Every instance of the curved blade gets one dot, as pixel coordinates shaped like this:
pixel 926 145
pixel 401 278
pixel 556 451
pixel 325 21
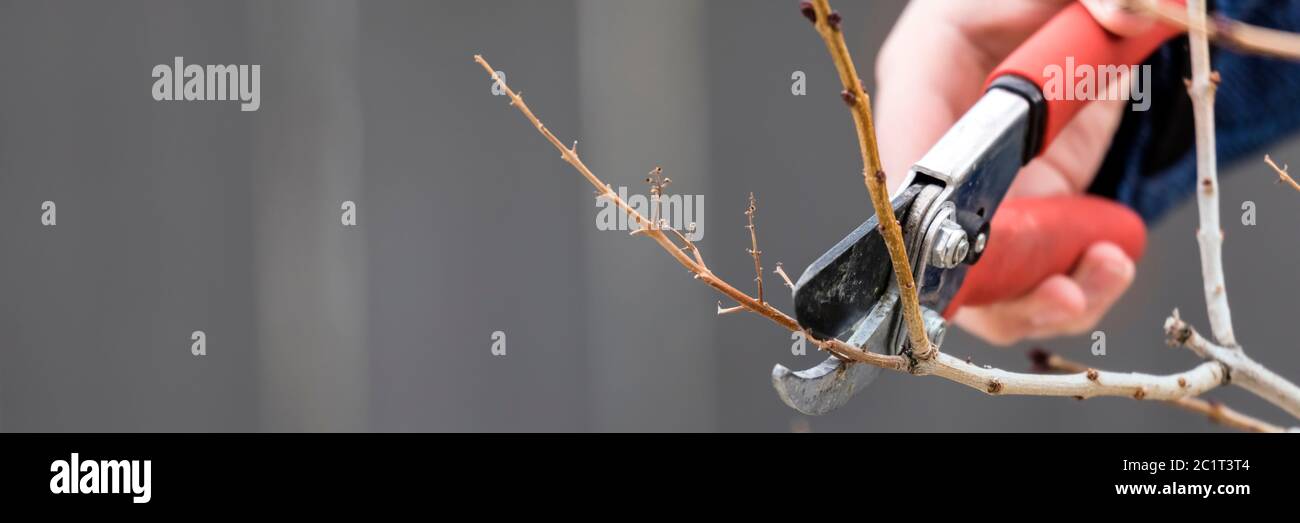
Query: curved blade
pixel 823 388
pixel 826 387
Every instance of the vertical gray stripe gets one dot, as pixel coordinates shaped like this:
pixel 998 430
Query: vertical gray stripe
pixel 644 102
pixel 310 269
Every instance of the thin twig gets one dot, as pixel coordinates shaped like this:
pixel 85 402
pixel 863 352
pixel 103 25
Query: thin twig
pixel 1222 414
pixel 695 264
pixel 1210 235
pixel 657 182
pixel 1045 361
pixel 1231 33
pixel 753 242
pixel 1282 175
pixel 723 311
pixel 828 23
pixel 784 277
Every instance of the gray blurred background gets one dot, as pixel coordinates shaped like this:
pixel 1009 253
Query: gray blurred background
pixel 175 217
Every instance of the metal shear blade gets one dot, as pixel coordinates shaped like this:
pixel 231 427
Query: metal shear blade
pixel 851 282
pixel 845 284
pixel 828 386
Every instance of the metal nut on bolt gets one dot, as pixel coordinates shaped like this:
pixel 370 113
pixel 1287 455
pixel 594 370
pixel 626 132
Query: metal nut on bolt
pixel 950 246
pixel 935 326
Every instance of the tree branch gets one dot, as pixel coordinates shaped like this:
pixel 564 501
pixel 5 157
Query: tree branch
pixel 1226 416
pixel 1210 234
pixel 1045 361
pixel 1231 33
pixel 1227 353
pixel 784 277
pixel 1087 384
pixel 693 264
pixel 753 245
pixel 1242 371
pixel 827 23
pixel 1282 175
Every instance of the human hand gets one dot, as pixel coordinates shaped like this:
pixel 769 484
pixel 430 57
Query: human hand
pixel 919 99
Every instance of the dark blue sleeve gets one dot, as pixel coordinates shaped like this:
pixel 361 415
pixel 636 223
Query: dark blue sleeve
pixel 1151 164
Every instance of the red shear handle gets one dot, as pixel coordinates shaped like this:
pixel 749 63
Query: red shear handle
pixel 1053 57
pixel 1031 239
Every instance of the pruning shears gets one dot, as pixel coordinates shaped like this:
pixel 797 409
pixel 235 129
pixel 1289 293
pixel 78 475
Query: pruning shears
pixel 967 246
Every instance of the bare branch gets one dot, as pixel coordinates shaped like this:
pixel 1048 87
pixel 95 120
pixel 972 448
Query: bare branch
pixel 1087 384
pixel 1282 175
pixel 1243 371
pixel 1223 415
pixel 1231 33
pixel 1227 353
pixel 1206 376
pixel 784 277
pixel 729 310
pixel 1045 361
pixel 657 182
pixel 1210 234
pixel 694 264
pixel 827 23
pixel 753 249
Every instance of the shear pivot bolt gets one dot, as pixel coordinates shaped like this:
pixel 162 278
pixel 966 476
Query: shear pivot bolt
pixel 935 326
pixel 950 246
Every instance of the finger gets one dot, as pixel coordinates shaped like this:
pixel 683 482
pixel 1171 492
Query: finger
pixel 1104 273
pixel 1059 305
pixel 1052 303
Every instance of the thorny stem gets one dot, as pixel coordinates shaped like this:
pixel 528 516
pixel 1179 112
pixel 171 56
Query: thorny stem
pixel 753 249
pixel 1282 175
pixel 657 182
pixel 1246 37
pixel 694 263
pixel 780 271
pixel 1045 361
pixel 828 23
